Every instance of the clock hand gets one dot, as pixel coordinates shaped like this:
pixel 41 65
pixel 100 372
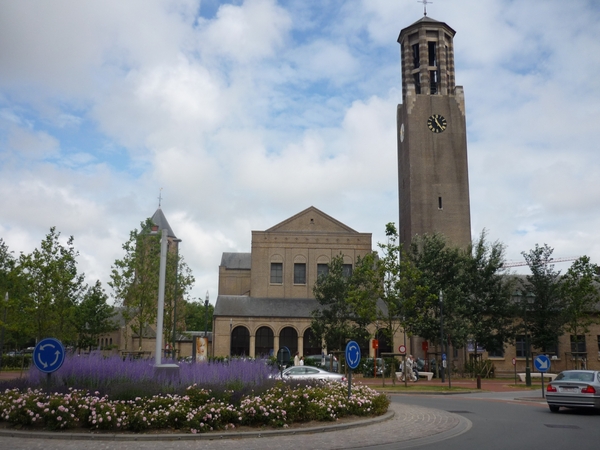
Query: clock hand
pixel 436 121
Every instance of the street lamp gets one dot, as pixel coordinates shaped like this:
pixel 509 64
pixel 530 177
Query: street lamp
pixel 442 335
pixel 3 327
pixel 177 241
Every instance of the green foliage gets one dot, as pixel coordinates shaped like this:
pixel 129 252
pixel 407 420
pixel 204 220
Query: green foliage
pixel 94 316
pixel 135 279
pixel 52 289
pixel 581 295
pixel 344 311
pixel 478 367
pixel 197 317
pixel 542 306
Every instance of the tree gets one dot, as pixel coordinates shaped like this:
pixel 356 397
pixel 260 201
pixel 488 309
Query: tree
pixel 441 274
pixel 53 288
pixel 94 316
pixel 339 317
pixel 542 310
pixel 134 280
pixel 489 312
pixel 197 317
pixel 581 296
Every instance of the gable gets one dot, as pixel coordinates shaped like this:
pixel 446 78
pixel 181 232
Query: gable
pixel 311 220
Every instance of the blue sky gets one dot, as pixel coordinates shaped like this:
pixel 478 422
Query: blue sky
pixel 247 112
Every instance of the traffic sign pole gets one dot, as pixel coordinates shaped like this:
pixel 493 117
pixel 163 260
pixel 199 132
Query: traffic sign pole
pixel 352 361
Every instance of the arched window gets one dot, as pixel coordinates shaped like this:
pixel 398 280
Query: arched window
pixel 312 346
pixel 240 341
pixel 288 337
pixel 263 342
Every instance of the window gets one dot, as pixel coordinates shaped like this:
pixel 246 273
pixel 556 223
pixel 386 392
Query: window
pixel 520 346
pixel 496 353
pixel 417 79
pixel 347 270
pixel 323 269
pixel 288 337
pixel 578 343
pixel 263 342
pixel 415 51
pixel 433 81
pixel 277 273
pixel 299 273
pixel 431 46
pixel 240 341
pixel 440 203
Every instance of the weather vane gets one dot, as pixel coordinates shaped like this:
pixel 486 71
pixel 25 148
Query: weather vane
pixel 159 197
pixel 425 2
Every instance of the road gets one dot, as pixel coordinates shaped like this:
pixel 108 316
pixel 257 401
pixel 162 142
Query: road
pixel 501 422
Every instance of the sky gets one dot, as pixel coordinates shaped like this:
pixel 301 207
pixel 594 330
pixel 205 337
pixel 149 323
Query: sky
pixel 240 114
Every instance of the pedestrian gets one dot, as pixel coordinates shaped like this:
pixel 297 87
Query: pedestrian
pixel 409 367
pixel 296 359
pixel 302 360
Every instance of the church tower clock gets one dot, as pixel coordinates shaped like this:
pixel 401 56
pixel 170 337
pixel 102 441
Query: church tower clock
pixel 432 137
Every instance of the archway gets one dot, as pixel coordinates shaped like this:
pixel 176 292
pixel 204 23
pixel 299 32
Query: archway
pixel 240 341
pixel 264 342
pixel 288 337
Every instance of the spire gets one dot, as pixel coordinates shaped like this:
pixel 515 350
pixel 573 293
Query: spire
pixel 161 222
pixel 159 197
pixel 425 3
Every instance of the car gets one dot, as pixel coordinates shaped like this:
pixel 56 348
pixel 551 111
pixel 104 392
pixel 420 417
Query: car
pixel 574 389
pixel 322 362
pixel 310 373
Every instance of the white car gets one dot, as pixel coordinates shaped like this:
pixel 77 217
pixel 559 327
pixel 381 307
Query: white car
pixel 311 373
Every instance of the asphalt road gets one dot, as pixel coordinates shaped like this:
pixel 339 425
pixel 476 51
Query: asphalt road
pixel 501 422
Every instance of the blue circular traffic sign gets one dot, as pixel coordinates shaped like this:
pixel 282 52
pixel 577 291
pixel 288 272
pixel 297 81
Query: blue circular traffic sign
pixel 49 355
pixel 542 363
pixel 352 355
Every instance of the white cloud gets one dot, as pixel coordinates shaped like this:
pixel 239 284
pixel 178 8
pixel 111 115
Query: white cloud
pixel 249 116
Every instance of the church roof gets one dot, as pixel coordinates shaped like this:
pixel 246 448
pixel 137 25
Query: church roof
pixel 244 306
pixel 311 220
pixel 159 219
pixel 236 260
pixel 424 21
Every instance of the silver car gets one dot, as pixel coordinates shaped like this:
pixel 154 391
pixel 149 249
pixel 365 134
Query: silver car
pixel 574 389
pixel 311 373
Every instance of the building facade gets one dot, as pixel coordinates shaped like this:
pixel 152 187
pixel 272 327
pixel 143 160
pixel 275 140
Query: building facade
pixel 265 297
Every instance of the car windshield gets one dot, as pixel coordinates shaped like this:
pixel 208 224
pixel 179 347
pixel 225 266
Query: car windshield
pixel 575 376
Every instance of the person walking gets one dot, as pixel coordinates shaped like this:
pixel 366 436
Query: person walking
pixel 296 359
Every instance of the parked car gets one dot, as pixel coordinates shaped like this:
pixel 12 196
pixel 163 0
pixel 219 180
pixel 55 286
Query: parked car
pixel 322 362
pixel 574 389
pixel 310 373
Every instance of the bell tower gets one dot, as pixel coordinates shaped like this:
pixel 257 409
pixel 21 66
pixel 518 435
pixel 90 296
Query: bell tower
pixel 432 137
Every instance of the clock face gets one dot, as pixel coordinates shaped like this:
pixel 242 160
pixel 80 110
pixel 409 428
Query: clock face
pixel 402 133
pixel 437 123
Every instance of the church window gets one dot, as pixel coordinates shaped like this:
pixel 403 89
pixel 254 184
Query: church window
pixel 322 270
pixel 417 78
pixel 264 342
pixel 431 46
pixel 299 273
pixel 276 273
pixel 415 50
pixel 347 270
pixel 433 81
pixel 240 342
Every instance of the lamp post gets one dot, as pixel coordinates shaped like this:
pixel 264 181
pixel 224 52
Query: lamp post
pixel 3 327
pixel 442 335
pixel 177 241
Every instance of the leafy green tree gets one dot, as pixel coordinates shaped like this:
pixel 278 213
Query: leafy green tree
pixel 441 268
pixel 197 317
pixel 340 315
pixel 488 310
pixel 581 296
pixel 53 288
pixel 94 316
pixel 543 315
pixel 134 281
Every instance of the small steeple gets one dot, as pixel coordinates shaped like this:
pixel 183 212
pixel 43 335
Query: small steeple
pixel 425 3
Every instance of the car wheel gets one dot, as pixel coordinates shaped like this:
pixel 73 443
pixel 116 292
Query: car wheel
pixel 554 408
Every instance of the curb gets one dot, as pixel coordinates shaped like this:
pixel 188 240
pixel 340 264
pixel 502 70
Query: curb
pixel 210 436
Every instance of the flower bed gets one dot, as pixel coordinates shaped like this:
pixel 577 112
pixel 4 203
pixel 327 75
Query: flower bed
pixel 241 393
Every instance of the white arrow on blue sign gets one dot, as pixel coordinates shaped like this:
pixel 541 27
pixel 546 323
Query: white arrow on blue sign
pixel 48 355
pixel 542 363
pixel 352 355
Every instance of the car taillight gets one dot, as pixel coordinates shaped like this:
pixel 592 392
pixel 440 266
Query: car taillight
pixel 550 388
pixel 588 390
